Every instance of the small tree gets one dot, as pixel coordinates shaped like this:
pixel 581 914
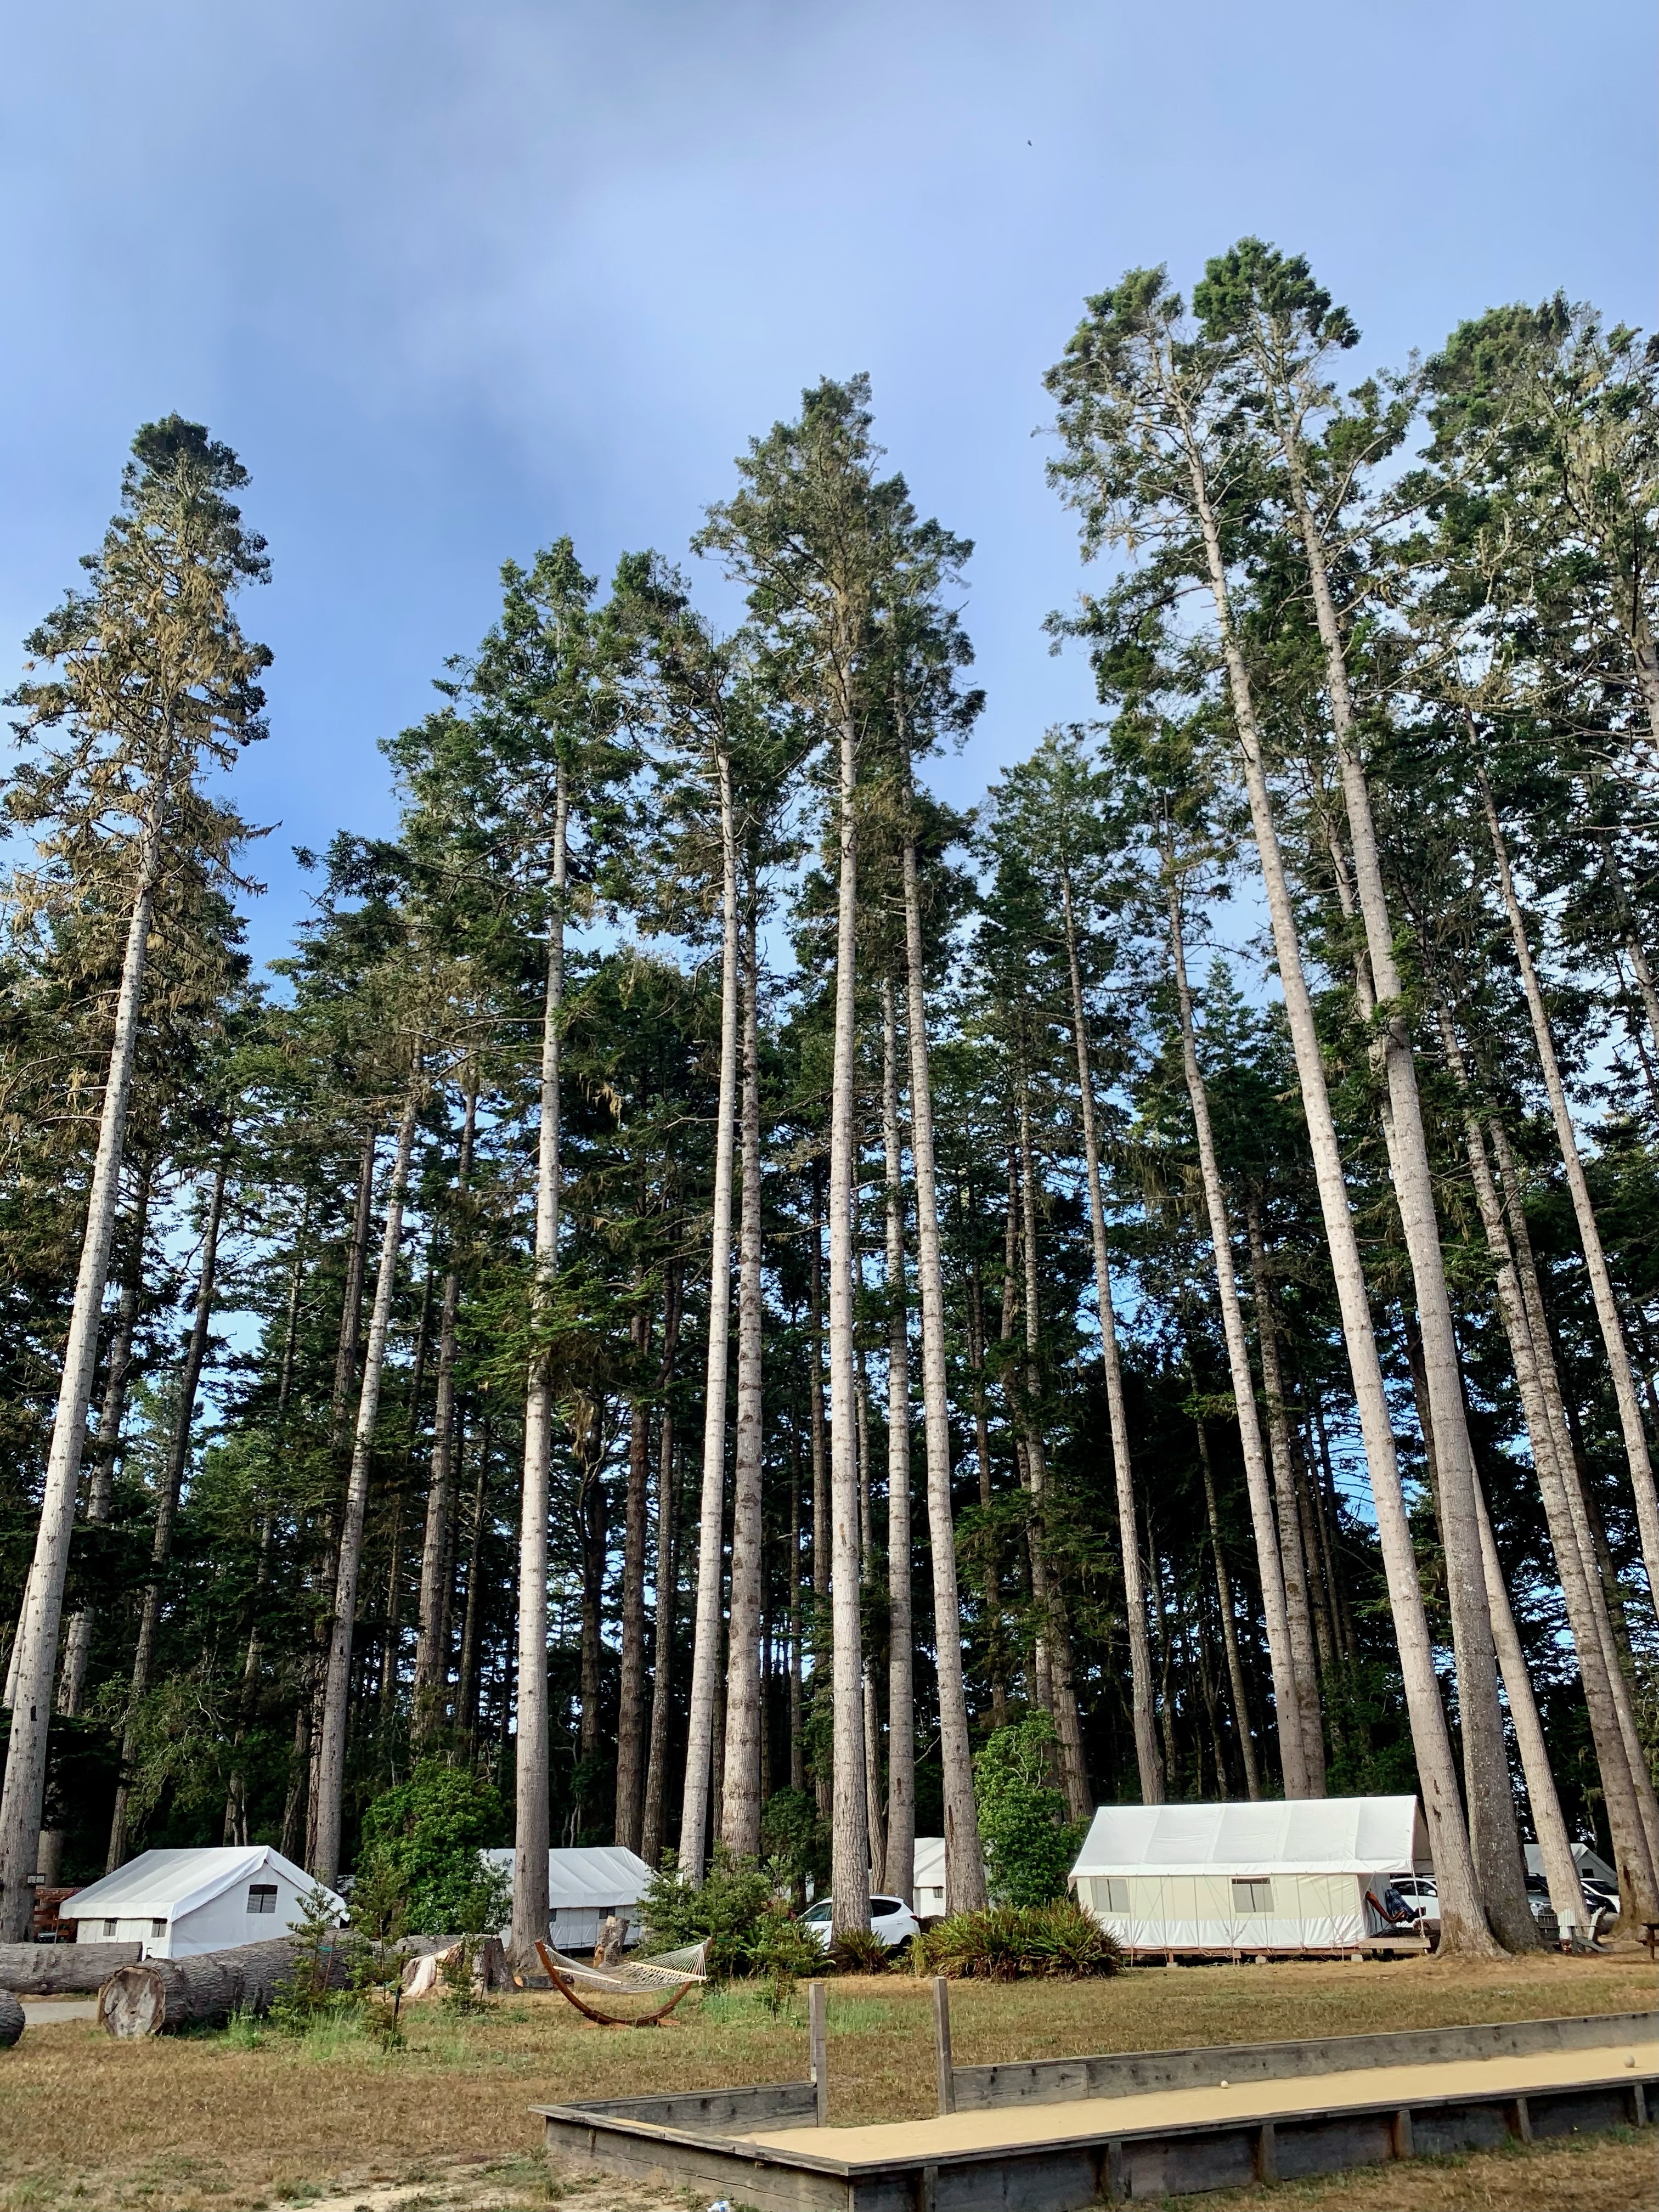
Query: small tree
pixel 1029 1844
pixel 425 1835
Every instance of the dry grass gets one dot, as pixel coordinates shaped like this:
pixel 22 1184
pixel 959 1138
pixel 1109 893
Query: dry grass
pixel 1616 2172
pixel 224 2123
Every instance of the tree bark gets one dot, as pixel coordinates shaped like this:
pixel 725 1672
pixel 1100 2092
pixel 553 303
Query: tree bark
pixel 1589 1233
pixel 167 1511
pixel 1048 1599
pixel 849 1869
pixel 63 1970
pixel 1152 1781
pixel 1463 1926
pixel 432 1641
pixel 330 1768
pixel 161 1995
pixel 531 1816
pixel 1229 1626
pixel 1281 1653
pixel 1623 1767
pixel 1298 1607
pixel 653 1829
pixel 964 1860
pixel 706 1633
pixel 630 1678
pixel 899 1873
pixel 35 1655
pixel 740 1799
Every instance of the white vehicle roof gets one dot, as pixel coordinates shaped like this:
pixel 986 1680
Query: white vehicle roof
pixel 166 1884
pixel 1303 1835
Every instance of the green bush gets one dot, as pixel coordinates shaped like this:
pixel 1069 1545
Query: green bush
pixel 736 1911
pixel 860 1951
pixel 1010 1942
pixel 1030 1846
pixel 424 1837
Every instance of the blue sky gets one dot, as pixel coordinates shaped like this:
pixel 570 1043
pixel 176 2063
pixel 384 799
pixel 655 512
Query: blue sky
pixel 457 279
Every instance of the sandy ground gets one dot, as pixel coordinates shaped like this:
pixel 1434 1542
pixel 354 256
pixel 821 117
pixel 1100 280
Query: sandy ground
pixel 42 2012
pixel 1093 2116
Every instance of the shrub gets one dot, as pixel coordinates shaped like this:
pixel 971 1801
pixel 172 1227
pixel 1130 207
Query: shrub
pixel 310 1992
pixel 1029 1844
pixel 425 1836
pixel 795 1841
pixel 736 1911
pixel 860 1951
pixel 1010 1942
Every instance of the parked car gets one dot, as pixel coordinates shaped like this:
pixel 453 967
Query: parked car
pixel 1419 1892
pixel 1538 1898
pixel 890 1918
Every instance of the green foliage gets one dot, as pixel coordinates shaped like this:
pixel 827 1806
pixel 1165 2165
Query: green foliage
pixel 425 1835
pixel 795 1841
pixel 860 1951
pixel 379 1919
pixel 1029 1844
pixel 1011 1943
pixel 737 1912
pixel 311 1992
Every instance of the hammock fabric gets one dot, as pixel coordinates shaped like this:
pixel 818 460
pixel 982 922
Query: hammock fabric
pixel 636 1978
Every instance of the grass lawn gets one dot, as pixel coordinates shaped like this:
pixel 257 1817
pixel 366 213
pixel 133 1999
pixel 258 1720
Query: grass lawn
pixel 227 2122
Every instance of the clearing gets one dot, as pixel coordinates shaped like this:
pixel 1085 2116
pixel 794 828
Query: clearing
pixel 247 2119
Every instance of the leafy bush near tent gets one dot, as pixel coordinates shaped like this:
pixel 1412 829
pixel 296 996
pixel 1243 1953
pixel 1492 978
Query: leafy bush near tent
pixel 1009 1942
pixel 425 1836
pixel 1029 1844
pixel 860 1951
pixel 736 1911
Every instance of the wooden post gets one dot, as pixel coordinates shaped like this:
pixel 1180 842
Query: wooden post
pixel 816 1994
pixel 947 2085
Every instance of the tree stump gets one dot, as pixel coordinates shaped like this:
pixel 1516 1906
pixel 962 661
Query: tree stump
pixel 159 1996
pixel 11 2020
pixel 63 1970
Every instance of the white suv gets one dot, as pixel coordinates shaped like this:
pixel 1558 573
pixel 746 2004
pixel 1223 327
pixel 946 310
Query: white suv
pixel 890 1918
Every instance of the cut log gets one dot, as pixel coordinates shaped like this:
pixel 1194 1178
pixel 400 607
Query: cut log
pixel 11 2020
pixel 159 1996
pixel 424 1976
pixel 63 1970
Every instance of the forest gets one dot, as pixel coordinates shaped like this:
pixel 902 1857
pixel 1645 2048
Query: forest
pixel 708 1282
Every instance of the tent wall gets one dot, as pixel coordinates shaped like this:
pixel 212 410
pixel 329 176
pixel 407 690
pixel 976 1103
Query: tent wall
pixel 1215 1913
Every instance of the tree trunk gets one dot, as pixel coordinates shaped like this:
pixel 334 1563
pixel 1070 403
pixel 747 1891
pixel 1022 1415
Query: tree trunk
pixel 432 1641
pixel 1281 1651
pixel 630 1679
pixel 351 1303
pixel 1463 1928
pixel 850 1873
pixel 653 1829
pixel 466 1672
pixel 990 1587
pixel 1624 1780
pixel 1153 1783
pixel 591 1535
pixel 1049 1603
pixel 330 1769
pixel 873 1805
pixel 35 1655
pixel 899 1873
pixel 964 1861
pixel 740 1798
pixel 1229 1626
pixel 77 1642
pixel 1297 1609
pixel 706 1631
pixel 63 1970
pixel 161 1995
pixel 531 1816
pixel 1589 1233
pixel 167 1512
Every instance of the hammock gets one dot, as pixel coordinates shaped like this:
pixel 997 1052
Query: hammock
pixel 662 1982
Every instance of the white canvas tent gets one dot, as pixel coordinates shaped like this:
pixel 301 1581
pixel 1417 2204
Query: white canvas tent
pixel 177 1904
pixel 585 1882
pixel 927 1880
pixel 1283 1875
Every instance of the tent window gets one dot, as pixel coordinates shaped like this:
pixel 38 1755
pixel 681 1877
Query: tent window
pixel 1253 1897
pixel 261 1897
pixel 158 1927
pixel 110 1927
pixel 1112 1893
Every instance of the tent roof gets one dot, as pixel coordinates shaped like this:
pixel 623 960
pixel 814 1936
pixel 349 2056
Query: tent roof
pixel 1303 1835
pixel 166 1884
pixel 596 1874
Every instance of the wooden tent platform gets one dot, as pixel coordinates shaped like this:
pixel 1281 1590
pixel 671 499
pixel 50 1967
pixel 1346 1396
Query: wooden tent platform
pixel 1056 2135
